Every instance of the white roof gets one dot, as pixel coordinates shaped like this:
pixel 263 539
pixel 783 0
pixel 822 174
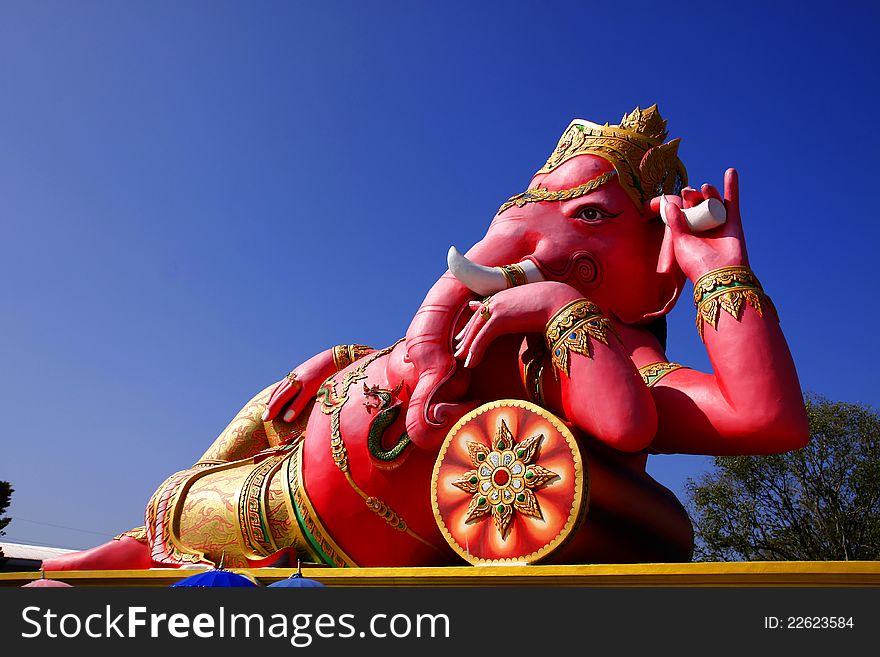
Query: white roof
pixel 34 552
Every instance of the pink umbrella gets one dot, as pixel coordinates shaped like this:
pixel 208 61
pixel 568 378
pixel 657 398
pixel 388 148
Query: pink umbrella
pixel 47 583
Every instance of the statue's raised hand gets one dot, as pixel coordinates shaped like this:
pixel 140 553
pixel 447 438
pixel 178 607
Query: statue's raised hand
pixel 698 253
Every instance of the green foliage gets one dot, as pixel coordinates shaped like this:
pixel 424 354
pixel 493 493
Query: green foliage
pixel 6 491
pixel 818 503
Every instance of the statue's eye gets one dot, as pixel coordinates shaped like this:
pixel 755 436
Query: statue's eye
pixel 591 214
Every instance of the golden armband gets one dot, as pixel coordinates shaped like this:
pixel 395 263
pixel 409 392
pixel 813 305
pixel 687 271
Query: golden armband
pixel 653 372
pixel 346 354
pixel 729 289
pixel 514 275
pixel 571 328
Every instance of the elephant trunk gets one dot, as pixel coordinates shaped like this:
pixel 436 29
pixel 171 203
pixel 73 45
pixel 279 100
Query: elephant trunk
pixel 429 339
pixel 429 348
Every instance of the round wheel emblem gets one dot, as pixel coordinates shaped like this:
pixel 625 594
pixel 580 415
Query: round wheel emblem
pixel 509 484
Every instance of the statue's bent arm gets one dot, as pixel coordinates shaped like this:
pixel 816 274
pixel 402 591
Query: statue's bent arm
pixel 752 403
pixel 605 397
pixel 293 393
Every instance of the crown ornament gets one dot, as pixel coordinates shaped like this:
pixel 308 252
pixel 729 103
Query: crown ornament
pixel 648 124
pixel 647 167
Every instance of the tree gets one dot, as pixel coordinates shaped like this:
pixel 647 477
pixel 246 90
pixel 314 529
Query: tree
pixel 818 503
pixel 5 496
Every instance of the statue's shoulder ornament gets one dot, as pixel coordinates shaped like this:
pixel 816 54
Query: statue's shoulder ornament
pixel 653 372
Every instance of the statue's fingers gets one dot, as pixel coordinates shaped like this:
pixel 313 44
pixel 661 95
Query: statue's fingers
pixel 691 197
pixel 709 191
pixel 272 404
pixel 470 331
pixel 278 399
pixel 731 194
pixel 733 226
pixel 296 406
pixel 474 306
pixel 478 346
pixel 673 216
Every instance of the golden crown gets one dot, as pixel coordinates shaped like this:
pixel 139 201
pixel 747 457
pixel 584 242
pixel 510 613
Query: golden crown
pixel 646 166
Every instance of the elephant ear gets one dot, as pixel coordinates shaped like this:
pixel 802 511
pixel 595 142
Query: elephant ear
pixel 661 171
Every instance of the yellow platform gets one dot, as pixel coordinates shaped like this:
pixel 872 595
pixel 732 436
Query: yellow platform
pixel 761 573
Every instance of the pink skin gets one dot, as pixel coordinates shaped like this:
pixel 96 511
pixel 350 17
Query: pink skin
pixel 549 234
pixel 751 404
pixel 724 246
pixel 296 394
pixel 434 402
pixel 126 553
pixel 622 415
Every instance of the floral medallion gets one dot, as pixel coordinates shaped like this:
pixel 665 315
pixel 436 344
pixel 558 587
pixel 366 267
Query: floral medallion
pixel 509 484
pixel 504 478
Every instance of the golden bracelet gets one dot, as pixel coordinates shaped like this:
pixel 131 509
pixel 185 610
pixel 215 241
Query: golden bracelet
pixel 730 289
pixel 724 278
pixel 570 330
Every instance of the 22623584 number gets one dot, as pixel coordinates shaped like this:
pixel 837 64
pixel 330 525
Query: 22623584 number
pixel 819 622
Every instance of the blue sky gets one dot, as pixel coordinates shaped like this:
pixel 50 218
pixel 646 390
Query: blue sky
pixel 197 196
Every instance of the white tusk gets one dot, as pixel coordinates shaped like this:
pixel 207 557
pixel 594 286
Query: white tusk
pixel 533 274
pixel 482 280
pixel 485 280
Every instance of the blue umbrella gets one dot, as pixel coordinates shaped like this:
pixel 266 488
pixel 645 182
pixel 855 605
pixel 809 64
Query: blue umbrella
pixel 217 577
pixel 297 581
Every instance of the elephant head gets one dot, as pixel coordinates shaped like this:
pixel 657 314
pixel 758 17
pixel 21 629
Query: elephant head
pixel 585 221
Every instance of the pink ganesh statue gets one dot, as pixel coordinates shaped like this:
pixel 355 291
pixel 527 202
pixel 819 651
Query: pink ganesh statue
pixel 514 420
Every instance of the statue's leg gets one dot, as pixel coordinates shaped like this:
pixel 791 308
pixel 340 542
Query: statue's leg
pixel 247 434
pixel 188 518
pixel 122 553
pixel 239 512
